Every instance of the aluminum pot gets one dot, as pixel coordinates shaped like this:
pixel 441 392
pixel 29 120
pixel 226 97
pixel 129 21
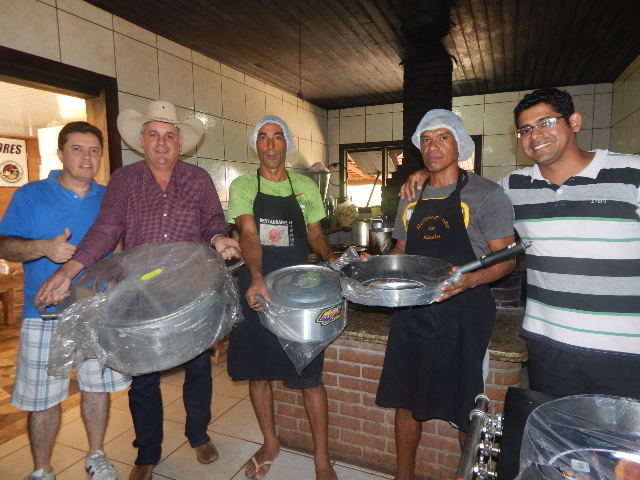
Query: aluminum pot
pixel 306 304
pixel 360 233
pixel 164 303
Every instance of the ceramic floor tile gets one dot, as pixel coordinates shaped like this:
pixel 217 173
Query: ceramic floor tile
pixel 170 392
pixel 288 466
pixel 19 464
pixel 239 422
pixel 175 376
pixel 14 444
pixel 219 369
pixel 182 465
pixel 223 385
pixel 350 472
pixel 219 405
pixel 70 415
pixel 74 434
pixel 121 402
pixel 121 449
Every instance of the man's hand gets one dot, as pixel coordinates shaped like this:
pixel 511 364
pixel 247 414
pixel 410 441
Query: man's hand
pixel 227 247
pixel 414 183
pixel 54 289
pixel 466 282
pixel 257 287
pixel 58 249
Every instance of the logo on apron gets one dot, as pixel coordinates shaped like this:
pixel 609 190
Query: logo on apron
pixel 408 211
pixel 276 233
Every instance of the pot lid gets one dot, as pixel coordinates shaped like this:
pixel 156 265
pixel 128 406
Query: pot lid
pixel 304 286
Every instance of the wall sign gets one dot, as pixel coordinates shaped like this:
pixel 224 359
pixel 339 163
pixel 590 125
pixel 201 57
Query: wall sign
pixel 13 162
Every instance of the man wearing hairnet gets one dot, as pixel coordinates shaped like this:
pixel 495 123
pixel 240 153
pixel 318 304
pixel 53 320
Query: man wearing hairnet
pixel 276 213
pixel 433 362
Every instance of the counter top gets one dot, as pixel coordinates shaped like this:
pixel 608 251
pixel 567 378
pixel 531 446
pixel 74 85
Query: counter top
pixel 371 324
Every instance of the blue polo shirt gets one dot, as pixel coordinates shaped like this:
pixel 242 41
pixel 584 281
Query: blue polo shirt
pixel 43 209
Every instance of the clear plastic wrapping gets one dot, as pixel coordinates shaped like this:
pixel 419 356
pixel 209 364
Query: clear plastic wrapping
pixel 303 340
pixel 585 437
pixel 306 311
pixel 147 309
pixel 395 280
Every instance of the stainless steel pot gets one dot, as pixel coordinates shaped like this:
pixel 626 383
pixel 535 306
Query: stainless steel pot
pixel 164 303
pixel 360 233
pixel 306 304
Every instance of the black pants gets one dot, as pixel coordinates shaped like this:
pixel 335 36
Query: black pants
pixel 145 403
pixel 561 372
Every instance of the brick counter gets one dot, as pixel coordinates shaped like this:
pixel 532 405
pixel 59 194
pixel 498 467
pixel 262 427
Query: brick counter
pixel 360 432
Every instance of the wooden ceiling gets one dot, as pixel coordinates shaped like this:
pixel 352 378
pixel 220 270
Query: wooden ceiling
pixel 345 53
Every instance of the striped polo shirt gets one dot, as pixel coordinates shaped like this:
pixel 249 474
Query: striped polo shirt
pixel 583 269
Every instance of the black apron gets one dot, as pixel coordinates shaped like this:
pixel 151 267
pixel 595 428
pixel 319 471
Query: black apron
pixel 254 352
pixel 433 362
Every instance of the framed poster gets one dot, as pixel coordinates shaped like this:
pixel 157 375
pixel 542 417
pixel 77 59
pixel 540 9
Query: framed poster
pixel 13 162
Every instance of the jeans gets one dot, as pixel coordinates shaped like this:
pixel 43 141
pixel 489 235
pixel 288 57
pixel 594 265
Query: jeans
pixel 145 403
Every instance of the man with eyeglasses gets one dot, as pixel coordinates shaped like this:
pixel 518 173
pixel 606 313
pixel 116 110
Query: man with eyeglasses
pixel 582 212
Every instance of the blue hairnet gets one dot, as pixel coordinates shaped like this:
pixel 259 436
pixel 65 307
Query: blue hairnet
pixel 291 144
pixel 440 118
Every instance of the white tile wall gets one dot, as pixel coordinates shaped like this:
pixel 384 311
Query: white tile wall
pixel 85 10
pixel 76 34
pixel 148 67
pixel 132 30
pixel 492 117
pixel 378 127
pixel 176 80
pixel 136 67
pixel 207 91
pixel 625 115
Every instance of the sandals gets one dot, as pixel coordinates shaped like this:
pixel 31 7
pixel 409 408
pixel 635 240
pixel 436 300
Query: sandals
pixel 258 467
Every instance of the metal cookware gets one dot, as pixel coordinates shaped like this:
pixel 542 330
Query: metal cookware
pixel 161 305
pixel 306 304
pixel 590 437
pixel 360 233
pixel 408 280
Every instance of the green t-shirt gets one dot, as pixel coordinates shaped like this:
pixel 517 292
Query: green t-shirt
pixel 243 191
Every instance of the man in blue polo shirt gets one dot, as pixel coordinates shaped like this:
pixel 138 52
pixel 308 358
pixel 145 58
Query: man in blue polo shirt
pixel 41 227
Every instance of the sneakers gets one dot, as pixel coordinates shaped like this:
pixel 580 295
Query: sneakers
pixel 99 467
pixel 41 475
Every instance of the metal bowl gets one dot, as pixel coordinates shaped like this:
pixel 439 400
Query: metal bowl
pixel 394 280
pixel 306 304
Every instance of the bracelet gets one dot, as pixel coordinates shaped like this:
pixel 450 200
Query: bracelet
pixel 213 239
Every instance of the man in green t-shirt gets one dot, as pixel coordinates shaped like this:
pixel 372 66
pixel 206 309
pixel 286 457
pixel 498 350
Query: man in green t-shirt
pixel 276 213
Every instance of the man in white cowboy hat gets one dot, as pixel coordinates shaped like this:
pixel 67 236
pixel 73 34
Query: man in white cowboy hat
pixel 277 213
pixel 158 199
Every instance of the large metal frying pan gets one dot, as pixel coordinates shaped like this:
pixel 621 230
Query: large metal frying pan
pixel 408 280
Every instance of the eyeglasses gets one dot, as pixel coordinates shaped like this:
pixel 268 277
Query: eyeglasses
pixel 543 124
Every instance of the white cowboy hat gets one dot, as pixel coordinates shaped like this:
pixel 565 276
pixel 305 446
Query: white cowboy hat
pixel 130 124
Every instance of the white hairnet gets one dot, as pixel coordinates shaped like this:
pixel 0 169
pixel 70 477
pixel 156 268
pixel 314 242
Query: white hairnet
pixel 291 144
pixel 439 118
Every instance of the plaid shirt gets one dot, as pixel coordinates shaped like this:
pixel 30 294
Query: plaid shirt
pixel 136 207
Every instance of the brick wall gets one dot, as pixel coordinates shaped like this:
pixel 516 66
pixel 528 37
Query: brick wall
pixel 360 432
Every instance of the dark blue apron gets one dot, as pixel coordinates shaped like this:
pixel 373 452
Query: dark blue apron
pixel 254 352
pixel 433 362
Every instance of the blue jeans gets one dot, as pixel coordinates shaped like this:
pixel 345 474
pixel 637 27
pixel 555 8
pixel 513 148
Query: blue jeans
pixel 145 403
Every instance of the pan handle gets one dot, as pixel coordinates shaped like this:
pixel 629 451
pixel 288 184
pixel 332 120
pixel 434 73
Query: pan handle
pixel 58 311
pixel 516 248
pixel 235 267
